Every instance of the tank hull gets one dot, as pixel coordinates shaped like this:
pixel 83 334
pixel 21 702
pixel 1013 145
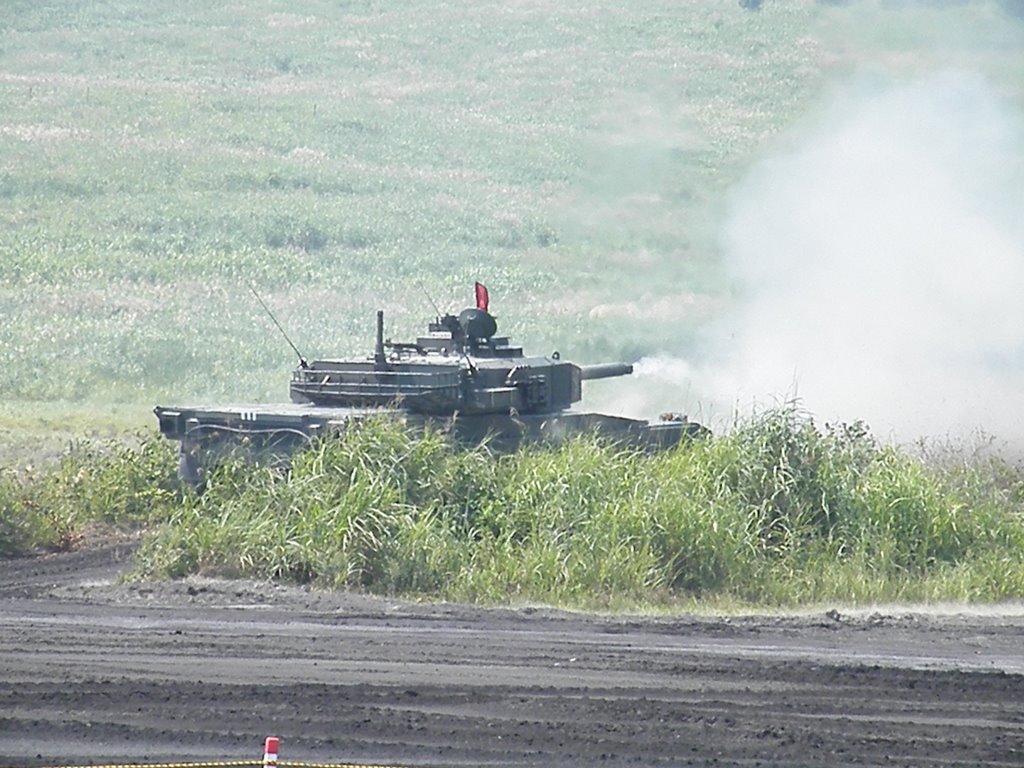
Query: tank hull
pixel 273 432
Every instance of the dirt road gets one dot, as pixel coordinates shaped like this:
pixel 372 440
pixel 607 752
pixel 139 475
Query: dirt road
pixel 92 671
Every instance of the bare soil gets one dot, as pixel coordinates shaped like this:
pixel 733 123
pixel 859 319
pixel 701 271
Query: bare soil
pixel 94 671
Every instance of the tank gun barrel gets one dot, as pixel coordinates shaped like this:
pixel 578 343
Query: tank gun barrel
pixel 605 370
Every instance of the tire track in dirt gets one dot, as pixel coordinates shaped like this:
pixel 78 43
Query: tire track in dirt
pixel 205 670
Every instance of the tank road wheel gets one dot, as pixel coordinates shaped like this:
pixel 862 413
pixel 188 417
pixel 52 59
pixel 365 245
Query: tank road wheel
pixel 190 471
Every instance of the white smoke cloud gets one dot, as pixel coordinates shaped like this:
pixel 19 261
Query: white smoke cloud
pixel 879 265
pixel 659 385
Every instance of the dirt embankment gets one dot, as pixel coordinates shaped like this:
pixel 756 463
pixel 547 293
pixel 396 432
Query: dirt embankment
pixel 94 671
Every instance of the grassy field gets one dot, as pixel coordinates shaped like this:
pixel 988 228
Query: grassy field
pixel 776 513
pixel 578 158
pixel 155 160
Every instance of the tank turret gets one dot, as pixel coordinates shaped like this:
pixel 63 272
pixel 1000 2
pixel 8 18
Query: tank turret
pixel 459 366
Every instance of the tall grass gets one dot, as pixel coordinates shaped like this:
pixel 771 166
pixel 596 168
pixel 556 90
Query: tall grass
pixel 776 512
pixel 111 483
pixel 779 512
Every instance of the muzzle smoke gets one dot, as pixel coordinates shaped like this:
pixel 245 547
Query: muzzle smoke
pixel 879 267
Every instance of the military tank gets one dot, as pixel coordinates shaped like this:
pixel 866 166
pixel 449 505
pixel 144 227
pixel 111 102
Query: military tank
pixel 460 376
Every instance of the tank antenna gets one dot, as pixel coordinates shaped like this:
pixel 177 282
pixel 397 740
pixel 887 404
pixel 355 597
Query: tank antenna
pixel 302 360
pixel 432 302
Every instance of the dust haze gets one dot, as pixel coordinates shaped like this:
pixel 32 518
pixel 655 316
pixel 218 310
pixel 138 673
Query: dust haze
pixel 878 267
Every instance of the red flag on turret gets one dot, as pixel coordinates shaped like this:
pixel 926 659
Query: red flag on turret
pixel 482 299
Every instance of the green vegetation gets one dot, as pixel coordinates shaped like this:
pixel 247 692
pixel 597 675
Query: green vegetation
pixel 157 158
pixel 110 484
pixel 776 513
